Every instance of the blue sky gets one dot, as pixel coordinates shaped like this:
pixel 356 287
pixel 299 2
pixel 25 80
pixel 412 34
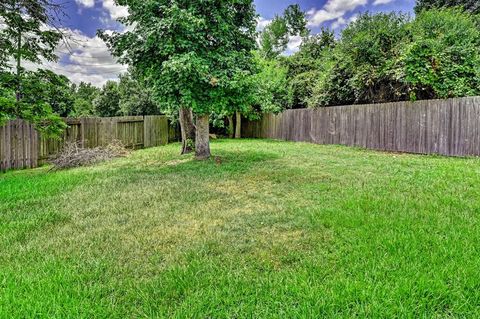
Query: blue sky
pixel 90 15
pixel 90 60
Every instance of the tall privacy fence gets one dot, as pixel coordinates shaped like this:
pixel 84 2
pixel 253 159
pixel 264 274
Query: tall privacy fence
pixel 23 147
pixel 448 127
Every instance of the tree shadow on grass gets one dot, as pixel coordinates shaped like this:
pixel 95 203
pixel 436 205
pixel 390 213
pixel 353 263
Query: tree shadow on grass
pixel 221 163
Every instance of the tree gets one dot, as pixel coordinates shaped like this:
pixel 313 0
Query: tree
pixel 442 60
pixel 135 98
pixel 272 90
pixel 305 66
pixel 363 67
pixel 472 6
pixel 275 37
pixel 193 54
pixel 34 105
pixel 28 34
pixel 56 91
pixel 107 104
pixel 388 57
pixel 85 95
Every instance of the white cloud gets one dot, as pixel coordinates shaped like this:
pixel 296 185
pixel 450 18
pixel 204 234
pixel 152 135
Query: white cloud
pixel 81 58
pixel 333 10
pixel 379 2
pixel 262 23
pixel 294 44
pixel 340 22
pixel 113 10
pixel 84 59
pixel 87 59
pixel 86 3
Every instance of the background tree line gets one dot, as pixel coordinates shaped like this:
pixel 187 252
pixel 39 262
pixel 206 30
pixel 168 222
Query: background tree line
pixel 383 57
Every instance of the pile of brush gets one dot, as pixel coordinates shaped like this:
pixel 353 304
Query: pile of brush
pixel 73 155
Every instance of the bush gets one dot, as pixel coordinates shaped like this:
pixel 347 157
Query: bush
pixel 442 59
pixel 388 57
pixel 362 68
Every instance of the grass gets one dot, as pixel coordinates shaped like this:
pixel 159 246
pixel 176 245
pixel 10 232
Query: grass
pixel 277 230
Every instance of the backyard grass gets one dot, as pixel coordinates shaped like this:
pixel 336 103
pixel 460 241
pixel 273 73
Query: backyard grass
pixel 276 230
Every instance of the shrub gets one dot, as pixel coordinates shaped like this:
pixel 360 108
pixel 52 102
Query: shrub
pixel 442 58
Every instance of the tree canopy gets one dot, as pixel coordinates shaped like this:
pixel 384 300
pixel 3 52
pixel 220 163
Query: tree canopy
pixel 194 54
pixel 276 35
pixel 28 34
pixel 469 5
pixel 390 57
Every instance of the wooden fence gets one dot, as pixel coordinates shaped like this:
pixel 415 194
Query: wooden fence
pixel 448 127
pixel 23 147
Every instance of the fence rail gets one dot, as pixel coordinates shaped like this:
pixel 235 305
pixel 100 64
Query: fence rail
pixel 447 127
pixel 23 147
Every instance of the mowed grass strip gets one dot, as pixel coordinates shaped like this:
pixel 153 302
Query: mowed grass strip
pixel 276 230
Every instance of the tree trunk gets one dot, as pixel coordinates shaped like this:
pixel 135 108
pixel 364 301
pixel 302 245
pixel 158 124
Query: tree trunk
pixel 18 93
pixel 202 141
pixel 187 129
pixel 231 129
pixel 238 126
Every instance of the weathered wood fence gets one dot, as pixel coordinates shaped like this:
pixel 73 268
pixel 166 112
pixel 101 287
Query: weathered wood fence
pixel 23 147
pixel 448 127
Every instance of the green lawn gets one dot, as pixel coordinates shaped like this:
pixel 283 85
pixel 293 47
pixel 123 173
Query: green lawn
pixel 277 230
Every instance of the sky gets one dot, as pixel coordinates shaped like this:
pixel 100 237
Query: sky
pixel 88 59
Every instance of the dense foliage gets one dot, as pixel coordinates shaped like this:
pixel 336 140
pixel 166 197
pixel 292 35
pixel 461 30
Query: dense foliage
pixel 276 35
pixel 442 58
pixel 126 97
pixel 272 92
pixel 107 102
pixel 84 94
pixel 362 66
pixel 28 34
pixel 135 97
pixel 470 5
pixel 305 67
pixel 389 57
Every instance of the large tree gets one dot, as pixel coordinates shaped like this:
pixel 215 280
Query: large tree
pixel 28 33
pixel 470 5
pixel 56 91
pixel 193 54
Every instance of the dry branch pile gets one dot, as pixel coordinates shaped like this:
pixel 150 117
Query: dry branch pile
pixel 73 155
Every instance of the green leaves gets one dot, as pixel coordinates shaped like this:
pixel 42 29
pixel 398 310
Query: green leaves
pixel 469 5
pixel 107 102
pixel 34 107
pixel 135 97
pixel 443 58
pixel 28 34
pixel 389 57
pixel 271 92
pixel 28 31
pixel 191 53
pixel 275 37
